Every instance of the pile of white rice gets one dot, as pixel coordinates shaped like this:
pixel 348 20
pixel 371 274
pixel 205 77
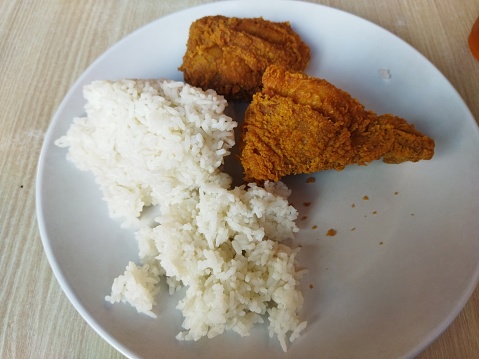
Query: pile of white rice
pixel 161 144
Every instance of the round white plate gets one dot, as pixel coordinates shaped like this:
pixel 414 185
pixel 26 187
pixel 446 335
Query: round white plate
pixel 402 264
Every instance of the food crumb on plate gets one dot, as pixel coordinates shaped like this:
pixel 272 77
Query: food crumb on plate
pixel 331 232
pixel 385 74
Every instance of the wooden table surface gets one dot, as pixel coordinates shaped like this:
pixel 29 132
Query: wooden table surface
pixel 45 46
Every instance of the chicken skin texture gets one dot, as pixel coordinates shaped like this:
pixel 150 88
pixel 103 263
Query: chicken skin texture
pixel 301 124
pixel 229 55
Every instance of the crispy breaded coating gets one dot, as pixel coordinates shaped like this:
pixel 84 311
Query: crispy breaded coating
pixel 229 55
pixel 301 124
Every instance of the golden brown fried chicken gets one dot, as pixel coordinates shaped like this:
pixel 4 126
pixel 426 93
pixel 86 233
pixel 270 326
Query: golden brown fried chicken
pixel 301 124
pixel 230 55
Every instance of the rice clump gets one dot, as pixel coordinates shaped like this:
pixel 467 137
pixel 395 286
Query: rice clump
pixel 162 144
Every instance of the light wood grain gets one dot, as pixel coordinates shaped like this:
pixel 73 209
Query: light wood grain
pixel 46 45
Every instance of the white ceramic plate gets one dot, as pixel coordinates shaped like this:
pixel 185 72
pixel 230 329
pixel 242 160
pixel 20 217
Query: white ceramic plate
pixel 402 264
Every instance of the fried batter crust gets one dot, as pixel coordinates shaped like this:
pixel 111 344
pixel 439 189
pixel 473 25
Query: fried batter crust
pixel 230 55
pixel 301 124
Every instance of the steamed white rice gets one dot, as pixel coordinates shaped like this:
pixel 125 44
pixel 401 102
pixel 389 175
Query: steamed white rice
pixel 162 143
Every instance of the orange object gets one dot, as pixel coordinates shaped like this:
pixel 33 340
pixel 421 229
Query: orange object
pixel 474 39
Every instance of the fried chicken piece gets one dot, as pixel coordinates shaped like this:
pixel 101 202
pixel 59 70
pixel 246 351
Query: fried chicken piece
pixel 301 124
pixel 229 55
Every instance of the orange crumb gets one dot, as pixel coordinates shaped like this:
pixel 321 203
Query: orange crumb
pixel 315 227
pixel 310 180
pixel 311 286
pixel 375 212
pixel 353 205
pixel 331 232
pixel 366 198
